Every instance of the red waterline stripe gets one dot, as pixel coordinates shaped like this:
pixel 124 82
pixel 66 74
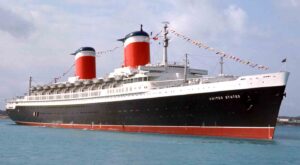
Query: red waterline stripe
pixel 266 133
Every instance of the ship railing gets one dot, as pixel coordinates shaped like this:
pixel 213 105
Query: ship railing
pixel 15 99
pixel 64 96
pixel 174 83
pixel 90 93
pixel 206 80
pixel 10 100
pixel 166 83
pixel 190 81
pixel 77 95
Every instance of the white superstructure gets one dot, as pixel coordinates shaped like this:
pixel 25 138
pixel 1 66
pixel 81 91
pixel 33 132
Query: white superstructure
pixel 142 83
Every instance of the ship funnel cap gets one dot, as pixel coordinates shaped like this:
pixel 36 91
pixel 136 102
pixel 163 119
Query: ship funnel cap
pixel 83 49
pixel 136 33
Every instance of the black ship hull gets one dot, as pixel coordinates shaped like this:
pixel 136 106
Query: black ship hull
pixel 247 113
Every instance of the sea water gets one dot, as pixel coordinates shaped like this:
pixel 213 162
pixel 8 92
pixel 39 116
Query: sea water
pixel 23 145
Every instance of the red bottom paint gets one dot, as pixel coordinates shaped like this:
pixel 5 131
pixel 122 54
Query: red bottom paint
pixel 230 132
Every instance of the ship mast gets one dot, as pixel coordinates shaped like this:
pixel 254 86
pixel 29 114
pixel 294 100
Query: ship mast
pixel 166 44
pixel 29 90
pixel 185 67
pixel 221 66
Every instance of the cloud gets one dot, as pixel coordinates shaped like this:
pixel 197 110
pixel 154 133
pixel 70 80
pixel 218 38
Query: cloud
pixel 14 24
pixel 289 3
pixel 208 21
pixel 236 17
pixel 295 3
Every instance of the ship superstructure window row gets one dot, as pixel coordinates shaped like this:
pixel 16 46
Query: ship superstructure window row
pixel 127 90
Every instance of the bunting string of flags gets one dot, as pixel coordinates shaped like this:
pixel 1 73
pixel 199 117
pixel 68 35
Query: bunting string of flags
pixel 156 37
pixel 62 75
pixel 107 51
pixel 70 68
pixel 218 52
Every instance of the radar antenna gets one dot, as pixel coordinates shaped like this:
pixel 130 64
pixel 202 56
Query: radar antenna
pixel 166 44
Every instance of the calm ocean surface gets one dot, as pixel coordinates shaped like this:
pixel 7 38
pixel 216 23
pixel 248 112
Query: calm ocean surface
pixel 36 145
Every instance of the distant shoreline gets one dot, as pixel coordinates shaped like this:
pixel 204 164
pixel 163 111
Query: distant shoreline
pixel 288 123
pixel 3 117
pixel 285 120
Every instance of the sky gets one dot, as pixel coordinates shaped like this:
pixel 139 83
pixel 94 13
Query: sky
pixel 37 37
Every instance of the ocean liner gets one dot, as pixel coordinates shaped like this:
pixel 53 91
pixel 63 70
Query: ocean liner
pixel 154 98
